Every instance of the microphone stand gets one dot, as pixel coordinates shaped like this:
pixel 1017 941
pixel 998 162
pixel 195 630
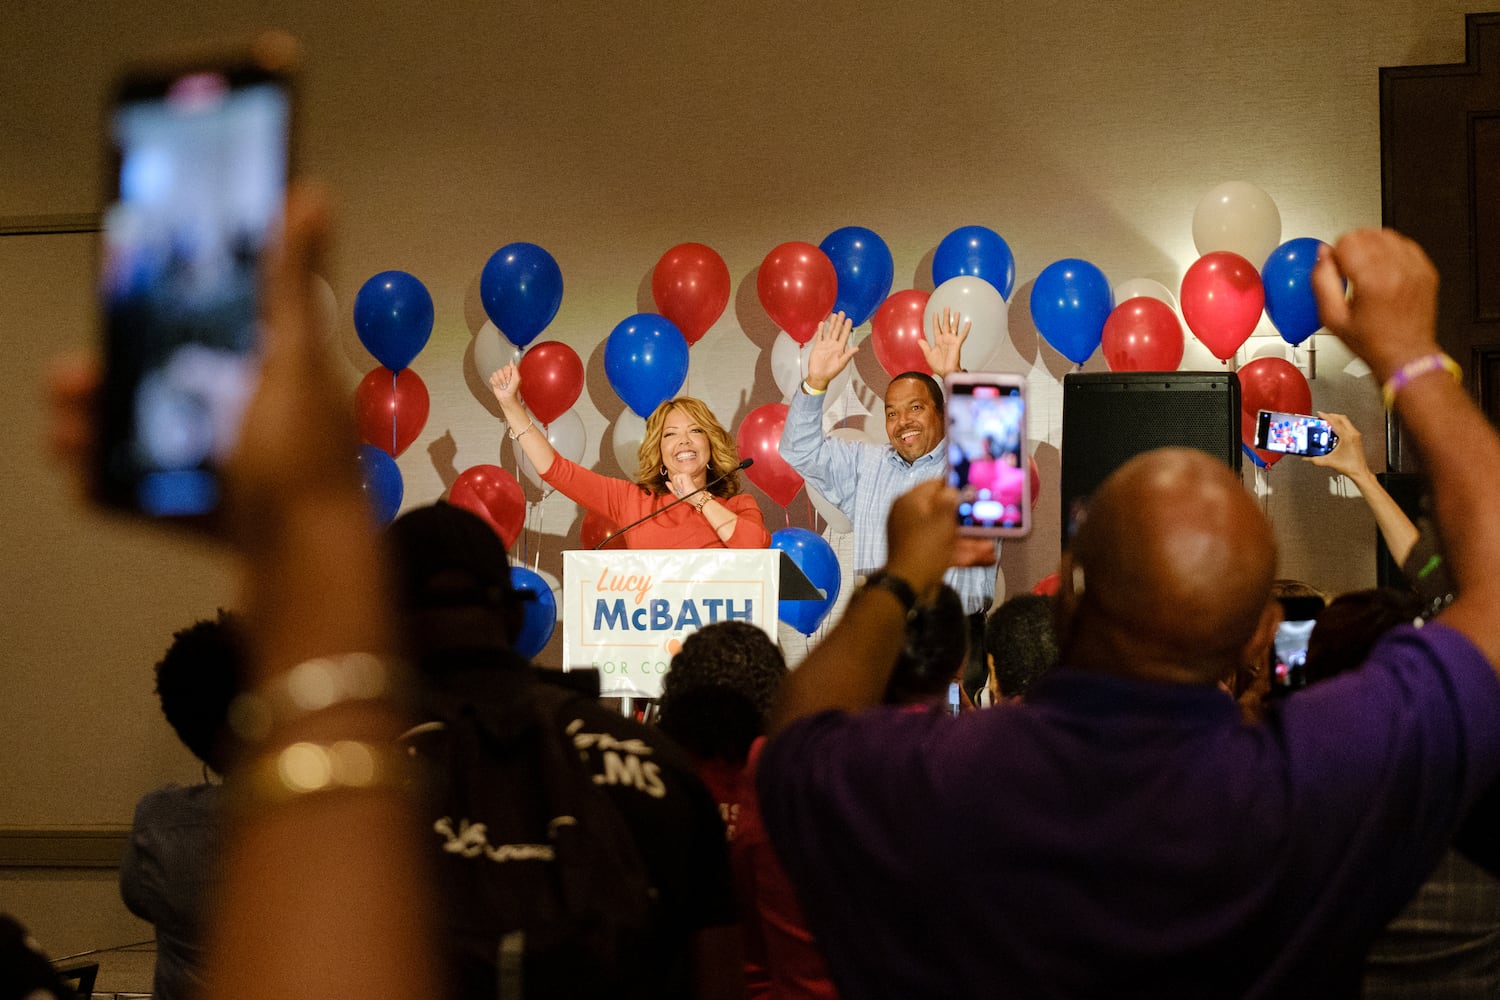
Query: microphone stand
pixel 745 463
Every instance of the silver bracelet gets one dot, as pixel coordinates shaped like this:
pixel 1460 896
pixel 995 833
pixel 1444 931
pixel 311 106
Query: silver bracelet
pixel 311 686
pixel 515 435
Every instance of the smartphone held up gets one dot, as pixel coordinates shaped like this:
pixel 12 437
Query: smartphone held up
pixel 1294 433
pixel 198 156
pixel 987 457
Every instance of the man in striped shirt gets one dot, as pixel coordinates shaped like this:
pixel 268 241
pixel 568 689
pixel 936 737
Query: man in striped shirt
pixel 864 479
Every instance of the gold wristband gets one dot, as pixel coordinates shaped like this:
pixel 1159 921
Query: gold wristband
pixel 305 768
pixel 701 501
pixel 311 686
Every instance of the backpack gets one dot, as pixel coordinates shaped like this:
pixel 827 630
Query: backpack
pixel 542 889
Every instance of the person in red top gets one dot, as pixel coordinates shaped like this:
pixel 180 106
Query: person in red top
pixel 684 453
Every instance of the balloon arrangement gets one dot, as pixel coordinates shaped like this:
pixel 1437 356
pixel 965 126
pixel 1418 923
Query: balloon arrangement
pixel 1222 296
pixel 393 317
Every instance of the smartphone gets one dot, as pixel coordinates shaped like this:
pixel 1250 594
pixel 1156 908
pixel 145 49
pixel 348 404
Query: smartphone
pixel 198 154
pixel 1294 433
pixel 987 455
pixel 1289 649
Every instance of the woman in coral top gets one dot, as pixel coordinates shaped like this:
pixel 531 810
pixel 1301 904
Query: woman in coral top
pixel 685 453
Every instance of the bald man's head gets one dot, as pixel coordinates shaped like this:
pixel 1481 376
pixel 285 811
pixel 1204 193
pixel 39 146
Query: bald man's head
pixel 1170 574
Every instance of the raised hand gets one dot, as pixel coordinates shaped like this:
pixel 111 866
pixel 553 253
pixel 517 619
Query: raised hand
pixel 830 351
pixel 942 355
pixel 1389 316
pixel 1348 456
pixel 505 383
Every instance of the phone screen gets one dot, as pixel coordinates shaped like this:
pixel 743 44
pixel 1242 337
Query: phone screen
pixel 1289 648
pixel 200 163
pixel 1294 433
pixel 987 457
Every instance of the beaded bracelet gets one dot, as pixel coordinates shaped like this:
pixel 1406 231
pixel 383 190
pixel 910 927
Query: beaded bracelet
pixel 1415 369
pixel 515 435
pixel 306 768
pixel 311 686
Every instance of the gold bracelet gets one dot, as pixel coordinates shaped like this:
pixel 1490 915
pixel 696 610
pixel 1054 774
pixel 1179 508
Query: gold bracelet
pixel 311 686
pixel 306 768
pixel 515 435
pixel 698 505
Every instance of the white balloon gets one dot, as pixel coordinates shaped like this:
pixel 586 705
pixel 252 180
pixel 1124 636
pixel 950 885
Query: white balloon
pixel 492 352
pixel 789 368
pixel 1133 288
pixel 838 522
pixel 1239 217
pixel 977 302
pixel 625 439
pixel 566 436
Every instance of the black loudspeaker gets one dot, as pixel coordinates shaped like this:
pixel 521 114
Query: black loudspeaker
pixel 1109 417
pixel 1406 488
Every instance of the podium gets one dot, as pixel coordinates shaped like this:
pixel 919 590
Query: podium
pixel 625 613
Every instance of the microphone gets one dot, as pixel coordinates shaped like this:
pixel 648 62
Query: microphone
pixel 745 463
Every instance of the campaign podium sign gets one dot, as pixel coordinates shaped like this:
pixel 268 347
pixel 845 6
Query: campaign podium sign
pixel 625 613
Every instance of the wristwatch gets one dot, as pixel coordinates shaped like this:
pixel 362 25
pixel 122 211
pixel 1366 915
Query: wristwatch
pixel 895 586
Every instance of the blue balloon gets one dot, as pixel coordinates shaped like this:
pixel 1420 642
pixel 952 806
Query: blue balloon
pixel 539 615
pixel 382 482
pixel 978 252
pixel 1287 277
pixel 815 558
pixel 865 271
pixel 646 360
pixel 521 287
pixel 393 317
pixel 1069 304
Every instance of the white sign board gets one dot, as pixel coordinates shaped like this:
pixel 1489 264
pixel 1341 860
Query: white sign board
pixel 625 613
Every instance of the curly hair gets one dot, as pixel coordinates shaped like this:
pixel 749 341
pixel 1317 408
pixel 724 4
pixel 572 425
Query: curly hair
pixel 197 678
pixel 717 697
pixel 723 455
pixel 1021 637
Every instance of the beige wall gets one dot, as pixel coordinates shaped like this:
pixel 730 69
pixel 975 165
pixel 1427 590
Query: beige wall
pixel 608 133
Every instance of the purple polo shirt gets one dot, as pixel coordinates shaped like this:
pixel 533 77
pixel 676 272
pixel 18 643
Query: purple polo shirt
pixel 1113 837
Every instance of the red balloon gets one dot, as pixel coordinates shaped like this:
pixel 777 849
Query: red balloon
pixel 1142 334
pixel 1047 585
pixel 391 409
pixel 760 438
pixel 595 529
pixel 1222 298
pixel 551 379
pixel 691 287
pixel 494 495
pixel 895 329
pixel 1270 384
pixel 798 287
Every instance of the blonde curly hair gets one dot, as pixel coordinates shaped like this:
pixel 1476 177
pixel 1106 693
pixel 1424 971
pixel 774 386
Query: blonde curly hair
pixel 723 455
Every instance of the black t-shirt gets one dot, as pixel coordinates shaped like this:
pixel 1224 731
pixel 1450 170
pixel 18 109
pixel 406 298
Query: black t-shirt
pixel 672 818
